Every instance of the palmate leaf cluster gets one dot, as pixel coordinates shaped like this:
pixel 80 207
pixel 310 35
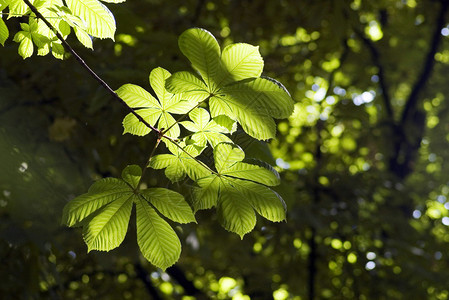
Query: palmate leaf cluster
pixel 87 18
pixel 192 113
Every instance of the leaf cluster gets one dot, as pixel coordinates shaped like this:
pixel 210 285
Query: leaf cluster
pixel 225 91
pixel 88 19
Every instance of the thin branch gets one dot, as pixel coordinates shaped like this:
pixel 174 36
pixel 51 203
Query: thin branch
pixel 197 13
pixel 143 275
pixel 380 72
pixel 190 155
pixel 145 167
pixel 429 63
pixel 68 48
pixel 183 116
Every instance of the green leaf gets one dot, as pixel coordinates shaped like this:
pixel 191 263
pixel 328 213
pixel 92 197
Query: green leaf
pixel 151 109
pixel 206 196
pixel 17 8
pixel 4 32
pixel 26 45
pixel 136 97
pixel 242 61
pixel 107 229
pixel 203 51
pixel 179 164
pixel 237 190
pixel 104 212
pixel 265 201
pixel 254 173
pixel 191 87
pixel 205 130
pixel 233 82
pixel 264 95
pixel 113 1
pixel 226 122
pixel 133 125
pixel 131 175
pixel 157 241
pixel 234 214
pixel 226 155
pixel 100 21
pixel 169 203
pixel 100 194
pixel 83 37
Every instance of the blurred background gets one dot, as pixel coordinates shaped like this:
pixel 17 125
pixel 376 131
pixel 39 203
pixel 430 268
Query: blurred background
pixel 362 157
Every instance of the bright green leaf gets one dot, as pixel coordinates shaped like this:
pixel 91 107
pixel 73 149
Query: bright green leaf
pixel 151 109
pixel 100 21
pixel 233 82
pixel 234 213
pixel 107 229
pixel 100 194
pixel 170 204
pixel 242 61
pixel 156 239
pixel 131 175
pixel 205 130
pixel 203 51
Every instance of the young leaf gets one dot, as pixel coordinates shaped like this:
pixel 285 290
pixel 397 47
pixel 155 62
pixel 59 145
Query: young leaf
pixel 205 130
pixel 179 164
pixel 83 37
pixel 153 110
pixel 232 81
pixel 242 61
pixel 104 212
pixel 203 51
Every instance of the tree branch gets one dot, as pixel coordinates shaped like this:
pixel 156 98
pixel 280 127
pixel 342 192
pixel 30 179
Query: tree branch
pixel 429 63
pixel 375 55
pixel 143 275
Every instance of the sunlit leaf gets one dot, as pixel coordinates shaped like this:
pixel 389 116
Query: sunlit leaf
pixel 4 32
pixel 104 212
pixel 171 204
pixel 100 21
pixel 153 110
pixel 232 80
pixel 156 239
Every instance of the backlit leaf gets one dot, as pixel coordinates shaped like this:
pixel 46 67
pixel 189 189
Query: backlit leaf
pixel 100 21
pixel 156 239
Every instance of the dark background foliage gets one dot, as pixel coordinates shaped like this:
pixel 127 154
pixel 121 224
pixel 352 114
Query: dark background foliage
pixel 362 157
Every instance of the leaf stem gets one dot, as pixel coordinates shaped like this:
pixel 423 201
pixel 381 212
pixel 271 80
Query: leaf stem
pixel 68 48
pixel 145 167
pixel 190 155
pixel 184 116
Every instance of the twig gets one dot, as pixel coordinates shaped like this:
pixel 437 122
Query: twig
pixel 381 73
pixel 68 48
pixel 183 116
pixel 145 167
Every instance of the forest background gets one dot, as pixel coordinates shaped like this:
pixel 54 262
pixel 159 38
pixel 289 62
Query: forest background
pixel 361 159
